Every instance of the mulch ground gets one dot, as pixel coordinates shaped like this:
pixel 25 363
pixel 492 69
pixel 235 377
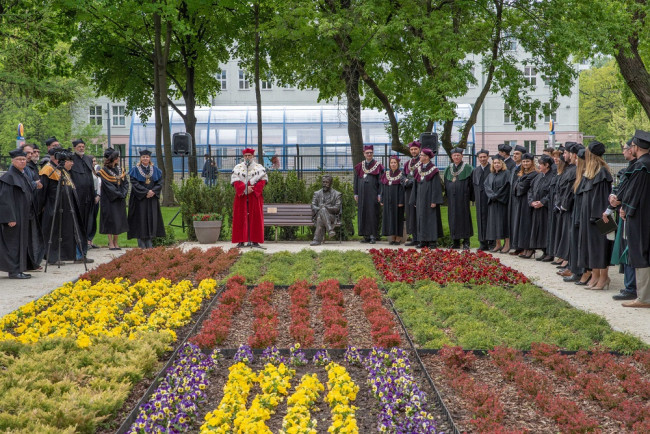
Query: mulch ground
pixel 521 414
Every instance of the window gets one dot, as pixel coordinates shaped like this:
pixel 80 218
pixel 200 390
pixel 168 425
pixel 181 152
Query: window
pixel 512 143
pixel 507 118
pixel 267 85
pixel 472 71
pixel 530 74
pixel 243 81
pixel 289 87
pixel 95 115
pixel 509 43
pixel 553 115
pixel 530 145
pixel 222 77
pixel 119 120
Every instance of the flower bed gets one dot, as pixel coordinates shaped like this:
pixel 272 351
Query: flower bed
pixel 300 329
pixel 265 325
pixel 544 391
pixel 160 262
pixel 383 327
pixel 336 325
pixel 443 266
pixel 326 395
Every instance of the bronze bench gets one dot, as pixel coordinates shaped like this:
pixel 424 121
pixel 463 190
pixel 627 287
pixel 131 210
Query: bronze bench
pixel 290 214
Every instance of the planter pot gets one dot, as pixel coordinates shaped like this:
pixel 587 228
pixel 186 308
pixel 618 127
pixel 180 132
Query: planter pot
pixel 207 232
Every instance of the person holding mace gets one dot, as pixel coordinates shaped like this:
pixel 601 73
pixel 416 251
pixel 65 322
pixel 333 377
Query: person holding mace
pixel 249 179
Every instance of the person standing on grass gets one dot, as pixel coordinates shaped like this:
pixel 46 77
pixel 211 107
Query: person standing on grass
pixel 633 197
pixel 112 214
pixel 367 183
pixel 145 218
pixel 479 175
pixel 458 187
pixel 249 179
pixel 392 200
pixel 427 198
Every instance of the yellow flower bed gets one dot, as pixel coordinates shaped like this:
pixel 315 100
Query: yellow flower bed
pixel 108 308
pixel 299 405
pixel 232 415
pixel 342 391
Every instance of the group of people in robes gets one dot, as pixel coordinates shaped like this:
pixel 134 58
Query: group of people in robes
pixel 50 212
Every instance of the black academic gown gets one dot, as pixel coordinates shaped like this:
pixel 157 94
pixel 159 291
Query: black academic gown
pixel 552 217
pixel 564 201
pixel 459 194
pixel 479 175
pixel 510 163
pixel 21 246
pixel 426 191
pixel 409 208
pixel 145 219
pixel 497 190
pixel 112 203
pixel 540 190
pixel 513 174
pixel 594 248
pixel 83 178
pixel 392 196
pixel 50 214
pixel 633 194
pixel 522 213
pixel 367 188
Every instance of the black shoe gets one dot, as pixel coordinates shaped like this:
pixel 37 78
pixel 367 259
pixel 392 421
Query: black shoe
pixel 239 245
pixel 624 295
pixel 372 240
pixel 365 240
pixel 547 258
pixel 422 245
pixel 557 263
pixel 432 245
pixel 572 278
pixel 249 244
pixel 411 243
pixel 81 261
pixel 579 283
pixel 466 246
pixel 19 276
pixel 455 245
pixel 257 246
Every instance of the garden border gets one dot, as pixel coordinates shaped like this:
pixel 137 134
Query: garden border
pixel 133 414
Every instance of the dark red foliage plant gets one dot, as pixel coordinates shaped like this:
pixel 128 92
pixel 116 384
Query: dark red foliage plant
pixel 336 325
pixel 300 328
pixel 382 321
pixel 265 324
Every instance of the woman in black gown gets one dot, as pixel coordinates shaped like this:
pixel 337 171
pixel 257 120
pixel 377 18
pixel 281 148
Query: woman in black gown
pixel 595 248
pixel 522 212
pixel 392 199
pixel 497 189
pixel 539 199
pixel 112 212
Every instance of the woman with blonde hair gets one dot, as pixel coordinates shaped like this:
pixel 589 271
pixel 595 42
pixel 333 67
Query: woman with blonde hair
pixel 497 190
pixel 522 213
pixel 595 249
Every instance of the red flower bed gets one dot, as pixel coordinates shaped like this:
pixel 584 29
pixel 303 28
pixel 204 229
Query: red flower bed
pixel 444 266
pixel 265 325
pixel 336 325
pixel 216 328
pixel 382 325
pixel 161 262
pixel 486 408
pixel 300 328
pixel 537 388
pixel 612 384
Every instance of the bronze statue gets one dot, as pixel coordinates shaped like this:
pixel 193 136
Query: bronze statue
pixel 325 207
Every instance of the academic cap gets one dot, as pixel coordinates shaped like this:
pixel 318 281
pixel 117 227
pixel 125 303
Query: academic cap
pixel 504 147
pixel 19 152
pixel 642 139
pixel 520 148
pixel 597 148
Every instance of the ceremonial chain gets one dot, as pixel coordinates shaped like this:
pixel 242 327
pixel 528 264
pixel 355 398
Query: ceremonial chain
pixel 427 173
pixel 146 177
pixel 393 178
pixel 455 174
pixel 413 168
pixel 372 169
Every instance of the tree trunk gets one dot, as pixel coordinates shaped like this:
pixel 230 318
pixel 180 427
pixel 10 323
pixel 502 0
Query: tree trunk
pixel 352 77
pixel 190 116
pixel 635 73
pixel 168 178
pixel 258 93
pixel 161 54
pixel 445 139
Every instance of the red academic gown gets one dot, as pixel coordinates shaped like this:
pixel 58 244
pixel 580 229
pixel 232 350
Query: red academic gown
pixel 239 215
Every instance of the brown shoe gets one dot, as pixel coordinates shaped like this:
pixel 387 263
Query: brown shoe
pixel 636 303
pixel 565 273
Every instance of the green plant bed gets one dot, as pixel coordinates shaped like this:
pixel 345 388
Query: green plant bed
pixel 481 317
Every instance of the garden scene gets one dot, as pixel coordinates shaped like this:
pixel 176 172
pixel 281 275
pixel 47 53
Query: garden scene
pixel 389 340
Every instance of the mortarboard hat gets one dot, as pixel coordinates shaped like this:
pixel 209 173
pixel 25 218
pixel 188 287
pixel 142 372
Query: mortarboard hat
pixel 504 147
pixel 597 148
pixel 145 152
pixel 520 148
pixel 581 153
pixel 642 139
pixel 457 151
pixel 498 157
pixel 394 157
pixel 78 141
pixel 51 140
pixel 483 151
pixel 527 156
pixel 546 160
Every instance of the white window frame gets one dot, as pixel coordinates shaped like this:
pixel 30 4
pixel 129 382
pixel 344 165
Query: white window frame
pixel 528 144
pixel 547 118
pixel 266 85
pixel 507 119
pixel 96 115
pixel 530 73
pixel 223 79
pixel 118 116
pixel 510 43
pixel 244 84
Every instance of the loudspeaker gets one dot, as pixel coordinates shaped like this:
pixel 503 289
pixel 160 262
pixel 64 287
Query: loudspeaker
pixel 429 140
pixel 182 144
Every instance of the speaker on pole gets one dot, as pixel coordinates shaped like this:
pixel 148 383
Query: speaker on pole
pixel 429 140
pixel 181 144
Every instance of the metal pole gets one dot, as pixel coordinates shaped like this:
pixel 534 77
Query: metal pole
pixel 108 123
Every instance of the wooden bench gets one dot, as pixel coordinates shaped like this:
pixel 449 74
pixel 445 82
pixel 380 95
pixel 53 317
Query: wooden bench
pixel 291 214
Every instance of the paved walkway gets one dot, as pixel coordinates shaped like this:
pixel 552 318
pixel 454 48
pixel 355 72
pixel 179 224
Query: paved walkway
pixel 15 293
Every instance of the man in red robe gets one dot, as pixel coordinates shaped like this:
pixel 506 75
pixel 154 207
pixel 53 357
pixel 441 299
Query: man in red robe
pixel 249 179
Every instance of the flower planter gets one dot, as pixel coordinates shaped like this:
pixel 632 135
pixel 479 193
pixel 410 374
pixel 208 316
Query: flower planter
pixel 207 232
